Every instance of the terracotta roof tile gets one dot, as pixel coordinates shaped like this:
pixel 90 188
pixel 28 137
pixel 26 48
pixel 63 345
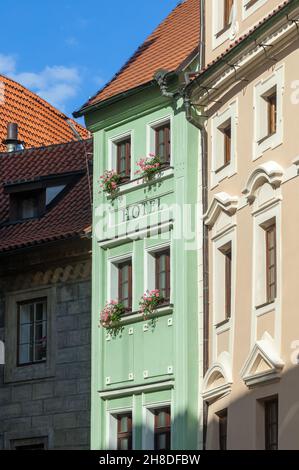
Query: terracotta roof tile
pixel 70 217
pixel 167 47
pixel 39 122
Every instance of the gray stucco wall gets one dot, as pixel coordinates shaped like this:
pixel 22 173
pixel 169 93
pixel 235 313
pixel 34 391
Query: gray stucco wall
pixel 57 407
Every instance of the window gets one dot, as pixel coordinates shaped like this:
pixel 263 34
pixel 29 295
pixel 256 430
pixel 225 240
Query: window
pixel 271 424
pixel 29 444
pixel 162 262
pixel 250 6
pixel 32 332
pixel 228 280
pixel 227 13
pixel 162 143
pixel 272 113
pixel 270 233
pixel 125 284
pixel 162 429
pixel 222 419
pixel 224 131
pixel 124 158
pixel 27 205
pixel 268 113
pixel 124 431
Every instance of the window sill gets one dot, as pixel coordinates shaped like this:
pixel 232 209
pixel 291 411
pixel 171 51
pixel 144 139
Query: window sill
pixel 268 136
pixel 134 317
pixel 267 307
pixel 139 183
pixel 223 30
pixel 223 326
pixel 226 165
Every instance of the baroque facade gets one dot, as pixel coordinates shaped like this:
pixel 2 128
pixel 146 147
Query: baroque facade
pixel 246 98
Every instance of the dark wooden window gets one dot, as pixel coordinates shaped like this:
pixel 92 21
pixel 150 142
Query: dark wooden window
pixel 32 332
pixel 227 11
pixel 163 145
pixel 162 429
pixel 271 424
pixel 27 205
pixel 124 158
pixel 163 273
pixel 124 431
pixel 271 261
pixel 272 113
pixel 222 418
pixel 228 281
pixel 227 133
pixel 125 284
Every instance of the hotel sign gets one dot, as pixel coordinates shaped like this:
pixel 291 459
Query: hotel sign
pixel 135 211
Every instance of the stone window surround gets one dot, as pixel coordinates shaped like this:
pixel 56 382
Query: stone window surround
pixel 12 373
pixel 219 171
pixel 41 435
pixel 148 421
pixel 260 143
pixel 247 11
pixel 111 428
pixel 220 34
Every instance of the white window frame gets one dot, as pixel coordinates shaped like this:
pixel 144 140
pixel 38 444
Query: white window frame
pixel 261 144
pixel 220 172
pixel 112 151
pixel 149 266
pixel 112 275
pixel 111 427
pixel 148 423
pixel 219 278
pixel 151 135
pixel 260 220
pixel 217 15
pixel 246 12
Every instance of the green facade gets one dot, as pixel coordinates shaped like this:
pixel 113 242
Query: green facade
pixel 146 366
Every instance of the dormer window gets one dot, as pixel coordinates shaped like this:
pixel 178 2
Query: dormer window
pixel 27 205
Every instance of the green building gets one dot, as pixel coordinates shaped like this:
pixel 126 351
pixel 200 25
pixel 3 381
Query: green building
pixel 146 371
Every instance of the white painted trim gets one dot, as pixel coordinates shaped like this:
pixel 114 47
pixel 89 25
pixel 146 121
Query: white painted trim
pixel 112 141
pixel 260 117
pixel 111 426
pixel 223 367
pixel 217 24
pixel 112 261
pixel 266 350
pixel 246 12
pixel 221 202
pixel 269 172
pixel 217 140
pixel 148 422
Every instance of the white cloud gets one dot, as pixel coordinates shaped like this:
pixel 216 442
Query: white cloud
pixel 56 84
pixel 7 64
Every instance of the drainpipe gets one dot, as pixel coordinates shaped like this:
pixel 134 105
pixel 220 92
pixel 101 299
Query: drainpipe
pixel 162 77
pixel 204 156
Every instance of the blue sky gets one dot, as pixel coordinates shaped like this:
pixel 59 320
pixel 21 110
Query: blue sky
pixel 66 50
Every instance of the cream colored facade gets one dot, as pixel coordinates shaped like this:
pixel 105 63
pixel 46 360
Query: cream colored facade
pixel 253 351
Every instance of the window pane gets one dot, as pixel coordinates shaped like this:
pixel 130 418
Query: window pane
pixel 32 333
pixel 162 441
pixel 25 353
pixel 124 424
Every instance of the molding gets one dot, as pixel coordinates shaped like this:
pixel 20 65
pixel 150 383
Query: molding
pixel 265 350
pixel 137 235
pixel 222 367
pixel 269 172
pixel 122 392
pixel 221 202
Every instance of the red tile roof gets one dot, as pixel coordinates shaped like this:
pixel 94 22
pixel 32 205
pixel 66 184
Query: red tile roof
pixel 167 47
pixel 69 217
pixel 39 122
